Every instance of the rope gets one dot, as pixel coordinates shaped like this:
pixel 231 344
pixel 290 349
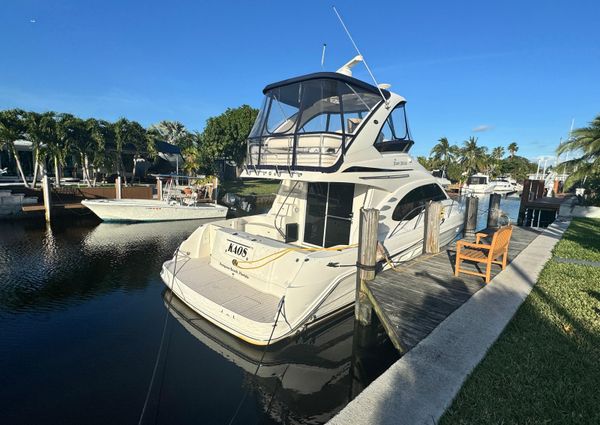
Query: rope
pixel 278 254
pixel 262 357
pixel 400 269
pixel 161 346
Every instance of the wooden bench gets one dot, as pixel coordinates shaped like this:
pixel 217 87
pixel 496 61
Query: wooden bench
pixel 479 252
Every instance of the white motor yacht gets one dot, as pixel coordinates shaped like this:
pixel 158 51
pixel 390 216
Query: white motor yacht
pixel 503 186
pixel 185 202
pixel 478 184
pixel 337 144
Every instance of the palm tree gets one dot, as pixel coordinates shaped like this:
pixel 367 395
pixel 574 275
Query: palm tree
pixel 587 141
pixel 494 160
pixel 130 133
pixel 473 158
pixel 80 143
pixel 498 153
pixel 62 143
pixel 103 134
pixel 513 148
pixel 444 152
pixel 13 128
pixel 172 132
pixel 39 129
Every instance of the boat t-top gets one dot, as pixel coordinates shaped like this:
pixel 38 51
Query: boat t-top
pixel 179 198
pixel 337 144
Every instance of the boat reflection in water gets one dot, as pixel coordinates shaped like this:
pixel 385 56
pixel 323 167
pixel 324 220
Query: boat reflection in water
pixel 303 381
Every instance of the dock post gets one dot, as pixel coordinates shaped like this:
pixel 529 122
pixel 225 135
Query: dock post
pixel 216 189
pixel 365 328
pixel 47 197
pixel 118 187
pixel 433 217
pixel 493 217
pixel 471 215
pixel 159 188
pixel 367 259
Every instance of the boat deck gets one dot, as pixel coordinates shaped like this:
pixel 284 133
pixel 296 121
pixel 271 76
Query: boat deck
pixel 198 276
pixel 415 300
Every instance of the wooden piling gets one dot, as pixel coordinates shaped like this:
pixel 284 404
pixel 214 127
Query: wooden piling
pixel 47 194
pixel 493 217
pixel 118 187
pixel 367 259
pixel 159 188
pixel 216 189
pixel 431 238
pixel 471 215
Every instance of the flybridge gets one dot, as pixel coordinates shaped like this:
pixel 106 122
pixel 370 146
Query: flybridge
pixel 308 123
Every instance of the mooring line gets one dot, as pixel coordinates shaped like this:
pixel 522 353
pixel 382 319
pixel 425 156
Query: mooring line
pixel 237 410
pixel 161 346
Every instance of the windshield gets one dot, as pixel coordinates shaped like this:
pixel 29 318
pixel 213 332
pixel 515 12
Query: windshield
pixel 477 180
pixel 313 106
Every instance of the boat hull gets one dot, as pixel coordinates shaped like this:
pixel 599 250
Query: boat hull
pixel 317 291
pixel 141 210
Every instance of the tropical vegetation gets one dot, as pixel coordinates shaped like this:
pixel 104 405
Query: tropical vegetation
pixel 583 170
pixel 94 147
pixel 459 162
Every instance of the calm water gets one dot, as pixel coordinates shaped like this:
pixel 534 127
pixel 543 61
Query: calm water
pixel 81 314
pixel 508 205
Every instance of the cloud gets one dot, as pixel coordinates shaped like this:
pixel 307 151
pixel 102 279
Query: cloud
pixel 481 128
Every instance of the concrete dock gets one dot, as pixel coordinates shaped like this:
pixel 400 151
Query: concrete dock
pixel 419 387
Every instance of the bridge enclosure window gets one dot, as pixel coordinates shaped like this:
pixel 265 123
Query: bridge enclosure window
pixel 413 202
pixel 394 134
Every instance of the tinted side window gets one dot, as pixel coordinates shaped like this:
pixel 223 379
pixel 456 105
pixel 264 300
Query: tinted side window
pixel 408 207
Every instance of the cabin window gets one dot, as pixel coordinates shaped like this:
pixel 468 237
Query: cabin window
pixel 413 202
pixel 328 214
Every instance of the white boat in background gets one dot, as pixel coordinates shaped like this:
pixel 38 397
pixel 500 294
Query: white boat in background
pixel 478 184
pixel 506 185
pixel 337 144
pixel 187 202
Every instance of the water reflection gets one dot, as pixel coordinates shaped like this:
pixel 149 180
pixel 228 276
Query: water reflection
pixel 304 381
pixel 45 266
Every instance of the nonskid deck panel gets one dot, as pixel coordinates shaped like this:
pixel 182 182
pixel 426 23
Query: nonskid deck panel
pixel 224 290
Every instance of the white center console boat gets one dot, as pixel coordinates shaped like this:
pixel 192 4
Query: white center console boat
pixel 337 144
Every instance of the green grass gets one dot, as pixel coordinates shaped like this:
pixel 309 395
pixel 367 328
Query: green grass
pixel 545 367
pixel 581 241
pixel 249 187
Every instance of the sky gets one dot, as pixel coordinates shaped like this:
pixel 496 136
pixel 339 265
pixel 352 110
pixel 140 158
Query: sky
pixel 501 71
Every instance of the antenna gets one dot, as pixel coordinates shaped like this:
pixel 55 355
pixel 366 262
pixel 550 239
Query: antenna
pixel 360 54
pixel 323 55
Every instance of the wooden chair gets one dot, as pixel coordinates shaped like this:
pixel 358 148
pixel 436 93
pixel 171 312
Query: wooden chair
pixel 482 253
